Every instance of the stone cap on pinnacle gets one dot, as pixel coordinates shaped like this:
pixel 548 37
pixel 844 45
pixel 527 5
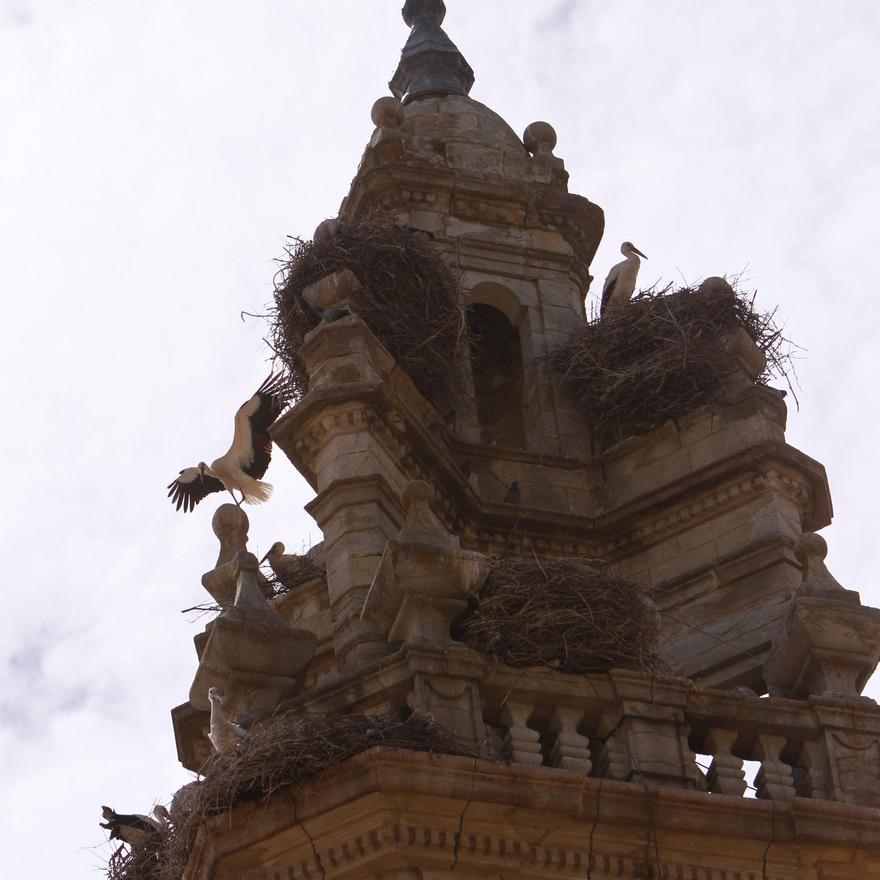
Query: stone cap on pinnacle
pixel 430 63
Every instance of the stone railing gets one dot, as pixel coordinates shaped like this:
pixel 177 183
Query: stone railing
pixel 627 726
pixel 632 728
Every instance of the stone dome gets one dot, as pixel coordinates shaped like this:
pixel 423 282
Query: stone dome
pixel 457 131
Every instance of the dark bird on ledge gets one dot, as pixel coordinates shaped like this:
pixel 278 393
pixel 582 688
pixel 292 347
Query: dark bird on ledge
pixel 243 466
pixel 132 829
pixel 621 281
pixel 513 494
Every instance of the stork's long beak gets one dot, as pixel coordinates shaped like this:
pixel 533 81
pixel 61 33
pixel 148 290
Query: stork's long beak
pixel 637 251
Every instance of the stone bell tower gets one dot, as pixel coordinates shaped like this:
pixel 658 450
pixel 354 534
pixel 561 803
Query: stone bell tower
pixel 581 776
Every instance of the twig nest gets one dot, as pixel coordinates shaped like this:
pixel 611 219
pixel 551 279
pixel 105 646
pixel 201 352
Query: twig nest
pixel 285 752
pixel 662 355
pixel 540 137
pixel 410 300
pixel 567 614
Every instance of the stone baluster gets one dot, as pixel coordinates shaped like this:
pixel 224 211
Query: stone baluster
pixel 812 781
pixel 571 750
pixel 726 774
pixel 774 781
pixel 522 743
pixel 614 761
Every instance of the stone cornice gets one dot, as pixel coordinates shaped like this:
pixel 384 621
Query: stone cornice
pixel 416 184
pixel 385 808
pixel 425 451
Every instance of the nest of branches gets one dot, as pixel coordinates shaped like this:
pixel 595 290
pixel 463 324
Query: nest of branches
pixel 296 570
pixel 659 357
pixel 413 305
pixel 283 752
pixel 567 614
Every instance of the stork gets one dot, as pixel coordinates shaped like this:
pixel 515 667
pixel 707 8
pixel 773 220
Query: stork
pixel 621 281
pixel 223 732
pixel 132 829
pixel 246 461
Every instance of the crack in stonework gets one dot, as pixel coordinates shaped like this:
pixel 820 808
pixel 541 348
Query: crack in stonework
pixel 649 796
pixel 593 831
pixel 315 853
pixel 769 843
pixel 458 833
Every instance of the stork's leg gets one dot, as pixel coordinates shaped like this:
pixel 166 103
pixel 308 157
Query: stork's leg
pixel 237 502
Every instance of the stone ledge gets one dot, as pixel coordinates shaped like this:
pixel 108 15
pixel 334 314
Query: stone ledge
pixel 389 809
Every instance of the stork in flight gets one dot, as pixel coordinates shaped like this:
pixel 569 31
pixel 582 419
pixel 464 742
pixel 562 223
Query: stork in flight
pixel 243 466
pixel 621 281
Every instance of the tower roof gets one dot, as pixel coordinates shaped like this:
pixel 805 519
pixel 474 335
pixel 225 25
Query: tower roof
pixel 430 63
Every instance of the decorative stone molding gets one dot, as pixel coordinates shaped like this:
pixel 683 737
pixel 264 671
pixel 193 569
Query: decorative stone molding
pixel 831 642
pixel 424 579
pixel 251 655
pixel 387 812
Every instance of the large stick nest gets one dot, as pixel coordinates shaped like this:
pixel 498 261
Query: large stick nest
pixel 567 614
pixel 413 304
pixel 658 357
pixel 284 752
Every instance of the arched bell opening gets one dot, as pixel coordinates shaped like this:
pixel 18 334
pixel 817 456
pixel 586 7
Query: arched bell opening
pixel 498 374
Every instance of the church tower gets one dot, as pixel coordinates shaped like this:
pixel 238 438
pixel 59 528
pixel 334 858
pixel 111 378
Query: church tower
pixel 533 770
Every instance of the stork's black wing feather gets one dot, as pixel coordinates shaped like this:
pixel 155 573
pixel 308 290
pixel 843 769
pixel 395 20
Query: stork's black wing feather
pixel 606 293
pixel 186 492
pixel 141 823
pixel 270 399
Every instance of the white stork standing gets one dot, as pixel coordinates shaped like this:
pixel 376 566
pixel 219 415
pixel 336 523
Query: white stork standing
pixel 222 732
pixel 246 461
pixel 621 281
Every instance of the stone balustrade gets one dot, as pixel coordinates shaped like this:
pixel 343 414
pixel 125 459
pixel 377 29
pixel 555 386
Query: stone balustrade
pixel 630 727
pixel 821 748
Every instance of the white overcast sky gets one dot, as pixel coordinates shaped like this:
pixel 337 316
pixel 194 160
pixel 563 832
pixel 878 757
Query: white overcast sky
pixel 153 156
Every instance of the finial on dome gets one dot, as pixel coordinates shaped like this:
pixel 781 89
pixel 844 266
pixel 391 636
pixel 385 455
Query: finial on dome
pixel 433 9
pixel 430 63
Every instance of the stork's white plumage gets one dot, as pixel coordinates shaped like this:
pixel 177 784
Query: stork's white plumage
pixel 223 733
pixel 241 469
pixel 621 281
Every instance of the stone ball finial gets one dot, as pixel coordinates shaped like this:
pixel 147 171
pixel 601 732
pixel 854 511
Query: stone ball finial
pixel 387 112
pixel 416 494
pixel 811 547
pixel 229 521
pixel 416 9
pixel 325 230
pixel 540 137
pixel 715 284
pixel 810 551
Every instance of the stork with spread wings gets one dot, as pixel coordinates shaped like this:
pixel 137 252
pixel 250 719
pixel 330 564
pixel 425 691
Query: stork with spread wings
pixel 243 466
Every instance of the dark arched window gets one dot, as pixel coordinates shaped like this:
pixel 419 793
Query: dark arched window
pixel 496 361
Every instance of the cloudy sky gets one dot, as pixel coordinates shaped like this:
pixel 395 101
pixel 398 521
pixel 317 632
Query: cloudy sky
pixel 153 156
